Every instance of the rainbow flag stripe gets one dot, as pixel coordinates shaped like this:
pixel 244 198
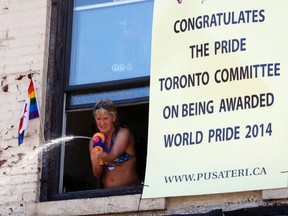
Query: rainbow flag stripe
pixel 33 111
pixel 30 111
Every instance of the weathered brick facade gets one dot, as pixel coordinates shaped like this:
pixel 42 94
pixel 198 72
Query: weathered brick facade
pixel 24 41
pixel 24 35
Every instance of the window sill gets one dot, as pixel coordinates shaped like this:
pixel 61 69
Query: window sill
pixel 274 194
pixel 107 192
pixel 100 205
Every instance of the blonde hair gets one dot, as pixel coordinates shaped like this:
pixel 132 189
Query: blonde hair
pixel 106 106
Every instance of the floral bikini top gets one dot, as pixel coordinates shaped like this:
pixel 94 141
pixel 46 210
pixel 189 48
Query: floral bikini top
pixel 121 159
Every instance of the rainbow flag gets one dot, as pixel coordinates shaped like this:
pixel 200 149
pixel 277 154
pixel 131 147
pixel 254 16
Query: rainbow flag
pixel 30 111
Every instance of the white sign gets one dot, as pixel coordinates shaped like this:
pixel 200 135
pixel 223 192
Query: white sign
pixel 218 98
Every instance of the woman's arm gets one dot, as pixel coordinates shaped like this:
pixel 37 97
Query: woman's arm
pixel 94 156
pixel 121 142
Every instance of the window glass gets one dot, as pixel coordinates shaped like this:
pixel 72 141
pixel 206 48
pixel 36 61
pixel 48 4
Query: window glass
pixel 126 94
pixel 111 40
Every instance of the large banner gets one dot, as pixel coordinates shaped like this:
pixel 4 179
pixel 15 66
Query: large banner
pixel 218 100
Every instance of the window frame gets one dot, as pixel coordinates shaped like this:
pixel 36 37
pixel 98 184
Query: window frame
pixel 95 87
pixel 57 89
pixel 106 86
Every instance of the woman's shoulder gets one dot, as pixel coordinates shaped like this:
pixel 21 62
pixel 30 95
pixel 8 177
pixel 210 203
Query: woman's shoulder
pixel 124 131
pixel 126 136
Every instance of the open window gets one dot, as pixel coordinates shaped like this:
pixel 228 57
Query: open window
pixel 77 165
pixel 106 55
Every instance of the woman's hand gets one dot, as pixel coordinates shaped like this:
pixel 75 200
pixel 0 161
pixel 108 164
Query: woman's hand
pixel 95 153
pixel 95 160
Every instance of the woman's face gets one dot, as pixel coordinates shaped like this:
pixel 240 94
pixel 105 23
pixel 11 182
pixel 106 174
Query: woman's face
pixel 105 122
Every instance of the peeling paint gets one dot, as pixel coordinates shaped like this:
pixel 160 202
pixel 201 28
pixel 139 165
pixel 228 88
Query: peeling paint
pixel 3 79
pixel 2 162
pixel 5 88
pixel 8 37
pixel 20 77
pixel 7 148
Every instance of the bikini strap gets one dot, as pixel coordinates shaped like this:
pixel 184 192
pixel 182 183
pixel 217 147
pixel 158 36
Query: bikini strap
pixel 107 150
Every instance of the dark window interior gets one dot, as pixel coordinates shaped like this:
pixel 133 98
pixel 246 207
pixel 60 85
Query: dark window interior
pixel 78 174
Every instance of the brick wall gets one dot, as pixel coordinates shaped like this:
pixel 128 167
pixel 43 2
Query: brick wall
pixel 24 35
